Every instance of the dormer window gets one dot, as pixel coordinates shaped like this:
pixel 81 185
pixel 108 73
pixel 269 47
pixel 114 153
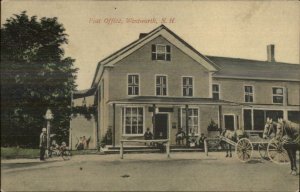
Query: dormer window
pixel 161 52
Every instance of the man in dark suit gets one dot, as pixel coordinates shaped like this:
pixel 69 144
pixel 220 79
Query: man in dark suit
pixel 148 135
pixel 43 144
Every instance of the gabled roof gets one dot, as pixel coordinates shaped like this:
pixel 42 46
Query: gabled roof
pixel 159 31
pixel 237 68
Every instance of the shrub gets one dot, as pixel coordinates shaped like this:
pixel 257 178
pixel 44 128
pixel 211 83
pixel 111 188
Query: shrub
pixel 212 126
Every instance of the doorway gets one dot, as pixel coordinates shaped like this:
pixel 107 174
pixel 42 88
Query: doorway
pixel 161 126
pixel 229 122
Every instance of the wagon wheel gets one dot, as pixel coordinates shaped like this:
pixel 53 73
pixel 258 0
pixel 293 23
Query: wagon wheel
pixel 262 149
pixel 276 152
pixel 244 149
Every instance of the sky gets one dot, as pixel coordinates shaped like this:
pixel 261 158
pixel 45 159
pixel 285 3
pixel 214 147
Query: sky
pixel 239 29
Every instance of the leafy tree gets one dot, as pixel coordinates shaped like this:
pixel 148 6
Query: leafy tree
pixel 35 76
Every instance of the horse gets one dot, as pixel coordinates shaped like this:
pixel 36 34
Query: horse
pixel 270 127
pixel 233 136
pixel 289 133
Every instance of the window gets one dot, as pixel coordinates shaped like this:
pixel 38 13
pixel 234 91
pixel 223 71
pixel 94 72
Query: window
pixel 248 94
pixel 161 52
pixel 277 95
pixel 193 120
pixel 187 86
pixel 260 117
pixel 294 116
pixel 133 120
pixel 133 85
pixel 216 91
pixel 161 85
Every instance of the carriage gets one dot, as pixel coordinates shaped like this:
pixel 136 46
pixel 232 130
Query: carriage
pixel 282 148
pixel 267 148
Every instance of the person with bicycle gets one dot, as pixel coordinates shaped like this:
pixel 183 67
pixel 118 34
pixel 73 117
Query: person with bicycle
pixel 54 148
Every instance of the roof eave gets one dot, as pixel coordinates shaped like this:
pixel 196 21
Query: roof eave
pixel 254 78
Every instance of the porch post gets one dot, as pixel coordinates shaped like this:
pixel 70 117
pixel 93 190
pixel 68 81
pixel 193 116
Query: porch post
pixel 153 120
pixel 168 148
pixel 220 117
pixel 121 150
pixel 114 125
pixel 252 119
pixel 205 147
pixel 187 123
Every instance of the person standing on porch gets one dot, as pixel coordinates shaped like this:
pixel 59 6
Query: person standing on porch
pixel 180 135
pixel 201 141
pixel 43 144
pixel 148 135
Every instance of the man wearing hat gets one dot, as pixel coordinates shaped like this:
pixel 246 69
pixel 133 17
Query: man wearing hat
pixel 43 144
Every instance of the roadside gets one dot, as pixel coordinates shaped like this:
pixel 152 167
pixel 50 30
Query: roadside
pixel 23 153
pixel 183 171
pixel 25 163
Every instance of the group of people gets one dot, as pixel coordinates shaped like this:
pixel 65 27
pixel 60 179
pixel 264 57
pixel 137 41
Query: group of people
pixel 193 140
pixel 82 143
pixel 52 147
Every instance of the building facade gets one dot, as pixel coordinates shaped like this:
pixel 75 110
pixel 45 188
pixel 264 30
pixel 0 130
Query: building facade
pixel 162 83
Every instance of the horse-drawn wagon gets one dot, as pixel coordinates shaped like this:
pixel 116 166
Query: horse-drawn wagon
pixel 279 148
pixel 267 148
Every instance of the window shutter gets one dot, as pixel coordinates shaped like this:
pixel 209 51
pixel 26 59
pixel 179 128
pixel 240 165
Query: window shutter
pixel 153 52
pixel 179 118
pixel 168 54
pixel 168 48
pixel 153 48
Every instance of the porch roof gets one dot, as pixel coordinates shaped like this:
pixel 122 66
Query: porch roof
pixel 83 93
pixel 171 100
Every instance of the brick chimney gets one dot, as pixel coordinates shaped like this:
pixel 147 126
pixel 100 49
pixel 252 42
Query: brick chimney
pixel 271 53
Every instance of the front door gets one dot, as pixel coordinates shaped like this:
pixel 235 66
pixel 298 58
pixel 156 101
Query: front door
pixel 161 126
pixel 229 122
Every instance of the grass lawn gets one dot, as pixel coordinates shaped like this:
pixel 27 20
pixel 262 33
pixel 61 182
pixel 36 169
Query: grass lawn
pixel 14 152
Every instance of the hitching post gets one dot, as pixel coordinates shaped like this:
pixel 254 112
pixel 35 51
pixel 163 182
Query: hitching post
pixel 48 117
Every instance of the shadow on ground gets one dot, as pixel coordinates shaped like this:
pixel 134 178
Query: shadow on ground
pixel 26 164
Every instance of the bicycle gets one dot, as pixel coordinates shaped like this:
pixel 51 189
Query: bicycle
pixel 62 151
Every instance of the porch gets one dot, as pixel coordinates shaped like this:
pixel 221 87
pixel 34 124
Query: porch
pixel 164 116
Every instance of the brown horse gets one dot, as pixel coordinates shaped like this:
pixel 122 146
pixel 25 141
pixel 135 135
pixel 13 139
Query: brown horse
pixel 289 133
